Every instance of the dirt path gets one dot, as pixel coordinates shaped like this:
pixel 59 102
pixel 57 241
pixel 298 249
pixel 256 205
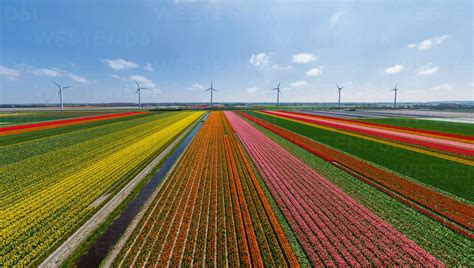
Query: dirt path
pixel 68 247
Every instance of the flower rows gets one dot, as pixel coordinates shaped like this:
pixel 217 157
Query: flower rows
pixel 454 210
pixel 449 247
pixel 429 133
pixel 210 211
pixel 333 228
pixel 19 129
pixel 439 144
pixel 45 202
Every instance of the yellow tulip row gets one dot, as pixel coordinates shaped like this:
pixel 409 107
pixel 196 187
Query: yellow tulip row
pixel 42 220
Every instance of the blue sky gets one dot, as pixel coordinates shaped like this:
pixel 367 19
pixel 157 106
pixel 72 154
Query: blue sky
pixel 176 47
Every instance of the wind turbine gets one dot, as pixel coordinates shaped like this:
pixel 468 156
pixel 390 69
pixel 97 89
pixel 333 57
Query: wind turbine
pixel 211 89
pixel 278 91
pixel 61 94
pixel 339 91
pixel 139 91
pixel 395 89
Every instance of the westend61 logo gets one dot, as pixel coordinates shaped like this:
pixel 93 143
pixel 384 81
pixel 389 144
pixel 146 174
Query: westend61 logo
pixel 15 14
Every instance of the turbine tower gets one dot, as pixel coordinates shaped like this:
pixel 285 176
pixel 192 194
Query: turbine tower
pixel 278 91
pixel 211 89
pixel 139 91
pixel 395 89
pixel 60 94
pixel 339 92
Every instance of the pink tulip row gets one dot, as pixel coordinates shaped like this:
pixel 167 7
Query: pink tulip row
pixel 333 228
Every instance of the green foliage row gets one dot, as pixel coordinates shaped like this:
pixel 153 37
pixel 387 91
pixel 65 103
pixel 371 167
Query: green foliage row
pixel 15 118
pixel 441 126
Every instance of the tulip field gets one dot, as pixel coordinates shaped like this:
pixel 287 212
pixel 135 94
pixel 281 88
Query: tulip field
pixel 51 185
pixel 211 211
pixel 252 188
pixel 333 228
pixel 25 128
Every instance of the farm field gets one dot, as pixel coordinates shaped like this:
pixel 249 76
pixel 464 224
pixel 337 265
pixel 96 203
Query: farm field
pixel 210 211
pixel 58 129
pixel 448 246
pixel 438 141
pixel 333 228
pixel 450 173
pixel 50 186
pixel 32 127
pixel 447 127
pixel 22 117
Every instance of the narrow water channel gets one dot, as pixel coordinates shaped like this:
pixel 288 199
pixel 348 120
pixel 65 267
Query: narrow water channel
pixel 99 249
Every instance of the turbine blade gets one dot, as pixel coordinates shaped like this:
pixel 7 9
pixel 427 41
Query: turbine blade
pixel 67 87
pixel 207 90
pixel 136 82
pixel 137 90
pixel 56 84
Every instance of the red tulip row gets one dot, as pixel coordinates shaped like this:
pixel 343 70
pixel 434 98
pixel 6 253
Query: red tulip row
pixel 11 130
pixel 333 228
pixel 210 211
pixel 443 145
pixel 421 198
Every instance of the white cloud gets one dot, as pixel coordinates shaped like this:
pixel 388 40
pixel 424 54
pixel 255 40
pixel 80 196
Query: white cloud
pixel 251 90
pixel 304 58
pixel 282 67
pixel 298 84
pixel 314 71
pixel 336 17
pixel 429 43
pixel 443 87
pixel 197 86
pixel 120 64
pixel 115 76
pixel 11 74
pixel 145 82
pixel 148 67
pixel 398 68
pixel 260 60
pixel 54 72
pixel 77 78
pixel 427 69
pixel 47 72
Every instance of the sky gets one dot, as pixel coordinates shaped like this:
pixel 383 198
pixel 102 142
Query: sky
pixel 175 49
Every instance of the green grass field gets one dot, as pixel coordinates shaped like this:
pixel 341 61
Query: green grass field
pixel 451 177
pixel 441 126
